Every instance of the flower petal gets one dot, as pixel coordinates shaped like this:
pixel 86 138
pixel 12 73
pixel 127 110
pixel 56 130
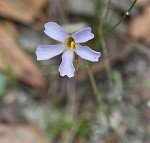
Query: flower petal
pixel 48 51
pixel 87 53
pixel 66 67
pixel 55 31
pixel 83 35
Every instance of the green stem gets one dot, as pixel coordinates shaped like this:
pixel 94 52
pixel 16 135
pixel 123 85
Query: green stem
pixel 93 83
pixel 107 10
pixel 106 57
pixel 122 18
pixel 103 43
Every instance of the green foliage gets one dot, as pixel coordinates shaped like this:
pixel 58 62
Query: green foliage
pixel 1 20
pixel 98 9
pixel 147 84
pixel 116 75
pixel 11 77
pixel 56 125
pixel 84 127
pixel 2 84
pixel 53 71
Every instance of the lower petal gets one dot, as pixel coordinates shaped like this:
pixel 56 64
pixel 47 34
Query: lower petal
pixel 87 53
pixel 49 51
pixel 67 67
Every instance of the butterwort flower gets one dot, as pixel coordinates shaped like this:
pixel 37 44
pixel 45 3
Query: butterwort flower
pixel 69 46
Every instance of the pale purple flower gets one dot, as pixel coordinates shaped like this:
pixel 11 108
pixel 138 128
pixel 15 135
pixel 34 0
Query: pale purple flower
pixel 70 44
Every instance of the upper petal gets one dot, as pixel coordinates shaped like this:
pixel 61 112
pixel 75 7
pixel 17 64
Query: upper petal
pixel 48 51
pixel 55 31
pixel 66 67
pixel 83 35
pixel 87 53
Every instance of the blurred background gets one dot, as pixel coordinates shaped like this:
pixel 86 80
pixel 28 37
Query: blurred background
pixel 106 102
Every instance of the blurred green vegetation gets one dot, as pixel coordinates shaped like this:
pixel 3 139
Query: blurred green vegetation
pixel 12 80
pixel 2 84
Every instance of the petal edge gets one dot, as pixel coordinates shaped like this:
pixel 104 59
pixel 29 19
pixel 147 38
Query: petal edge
pixel 83 35
pixel 45 52
pixel 55 31
pixel 87 53
pixel 66 67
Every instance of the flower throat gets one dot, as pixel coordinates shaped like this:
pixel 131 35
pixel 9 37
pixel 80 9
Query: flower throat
pixel 70 43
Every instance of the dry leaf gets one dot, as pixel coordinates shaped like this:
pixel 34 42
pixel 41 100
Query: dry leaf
pixel 12 57
pixel 24 11
pixel 21 134
pixel 139 27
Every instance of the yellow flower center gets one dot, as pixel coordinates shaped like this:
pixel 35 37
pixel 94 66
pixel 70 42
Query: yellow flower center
pixel 70 43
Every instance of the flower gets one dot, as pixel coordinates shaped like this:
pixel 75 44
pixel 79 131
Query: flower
pixel 69 46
